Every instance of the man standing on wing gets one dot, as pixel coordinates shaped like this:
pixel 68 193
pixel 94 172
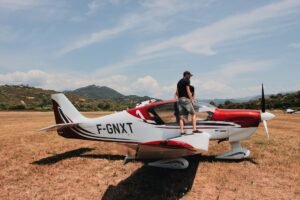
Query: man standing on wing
pixel 185 101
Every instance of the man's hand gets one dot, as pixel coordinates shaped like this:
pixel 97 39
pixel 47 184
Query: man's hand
pixel 193 101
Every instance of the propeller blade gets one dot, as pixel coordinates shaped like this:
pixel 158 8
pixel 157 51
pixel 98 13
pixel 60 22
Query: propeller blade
pixel 266 128
pixel 263 102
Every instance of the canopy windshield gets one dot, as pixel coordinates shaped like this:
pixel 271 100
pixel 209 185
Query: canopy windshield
pixel 168 113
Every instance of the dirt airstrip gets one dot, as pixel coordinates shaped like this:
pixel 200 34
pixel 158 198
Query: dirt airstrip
pixel 37 165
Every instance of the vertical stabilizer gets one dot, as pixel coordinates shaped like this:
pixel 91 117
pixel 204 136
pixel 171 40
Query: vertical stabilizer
pixel 64 110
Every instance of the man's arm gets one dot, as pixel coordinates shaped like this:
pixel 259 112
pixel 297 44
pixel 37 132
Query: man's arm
pixel 176 94
pixel 190 93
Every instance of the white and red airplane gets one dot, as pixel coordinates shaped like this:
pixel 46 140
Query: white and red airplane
pixel 291 111
pixel 150 130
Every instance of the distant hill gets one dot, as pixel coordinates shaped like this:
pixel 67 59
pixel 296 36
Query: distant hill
pixel 103 92
pixel 234 100
pixel 97 92
pixel 21 97
pixel 94 98
pixel 276 101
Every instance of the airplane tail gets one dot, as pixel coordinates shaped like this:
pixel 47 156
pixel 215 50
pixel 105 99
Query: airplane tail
pixel 64 111
pixel 67 118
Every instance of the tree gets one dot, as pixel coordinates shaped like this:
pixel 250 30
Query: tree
pixel 212 103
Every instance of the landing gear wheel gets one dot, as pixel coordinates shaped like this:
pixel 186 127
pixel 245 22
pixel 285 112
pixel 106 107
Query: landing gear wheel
pixel 179 163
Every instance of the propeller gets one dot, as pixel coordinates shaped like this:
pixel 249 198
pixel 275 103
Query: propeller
pixel 263 102
pixel 265 116
pixel 266 128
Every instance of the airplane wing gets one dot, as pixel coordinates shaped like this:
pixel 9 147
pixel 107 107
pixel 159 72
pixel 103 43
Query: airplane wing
pixel 175 147
pixel 196 141
pixel 58 127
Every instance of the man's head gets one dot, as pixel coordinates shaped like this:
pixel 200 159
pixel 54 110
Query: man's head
pixel 187 75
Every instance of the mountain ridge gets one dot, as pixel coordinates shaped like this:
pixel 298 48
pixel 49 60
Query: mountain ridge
pixel 23 97
pixel 104 92
pixel 97 92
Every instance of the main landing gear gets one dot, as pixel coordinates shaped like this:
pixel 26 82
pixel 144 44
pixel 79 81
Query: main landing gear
pixel 178 163
pixel 237 152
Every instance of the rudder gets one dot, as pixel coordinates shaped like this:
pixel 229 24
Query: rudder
pixel 64 110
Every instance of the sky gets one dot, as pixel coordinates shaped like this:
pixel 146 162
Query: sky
pixel 142 47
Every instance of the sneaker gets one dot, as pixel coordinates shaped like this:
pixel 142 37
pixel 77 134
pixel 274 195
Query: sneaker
pixel 197 131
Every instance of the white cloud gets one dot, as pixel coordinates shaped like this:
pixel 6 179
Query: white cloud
pixel 146 85
pixel 94 6
pixel 152 12
pixel 118 2
pixel 95 37
pixel 220 83
pixel 227 80
pixel 19 4
pixel 295 45
pixel 61 81
pixel 245 26
pixel 32 77
pixel 126 63
pixel 111 68
pixel 204 39
pixel 239 68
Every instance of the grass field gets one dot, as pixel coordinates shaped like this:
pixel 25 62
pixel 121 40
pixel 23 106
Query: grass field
pixel 37 165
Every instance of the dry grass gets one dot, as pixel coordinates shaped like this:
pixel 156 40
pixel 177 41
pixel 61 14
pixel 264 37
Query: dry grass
pixel 38 165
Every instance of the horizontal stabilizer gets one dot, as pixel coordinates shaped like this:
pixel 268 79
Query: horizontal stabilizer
pixel 58 127
pixel 197 141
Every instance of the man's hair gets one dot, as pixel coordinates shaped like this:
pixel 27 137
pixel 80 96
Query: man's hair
pixel 187 73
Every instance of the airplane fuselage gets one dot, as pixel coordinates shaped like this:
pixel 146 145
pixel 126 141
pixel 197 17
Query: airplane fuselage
pixel 124 127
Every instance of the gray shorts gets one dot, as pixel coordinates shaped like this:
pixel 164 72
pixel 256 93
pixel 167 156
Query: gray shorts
pixel 185 107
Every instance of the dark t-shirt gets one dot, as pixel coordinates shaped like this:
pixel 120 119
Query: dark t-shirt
pixel 192 89
pixel 181 87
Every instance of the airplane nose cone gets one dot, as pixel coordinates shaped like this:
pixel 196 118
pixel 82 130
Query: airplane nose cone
pixel 266 116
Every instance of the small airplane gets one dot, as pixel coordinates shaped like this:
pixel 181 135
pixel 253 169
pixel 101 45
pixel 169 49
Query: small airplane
pixel 291 111
pixel 150 130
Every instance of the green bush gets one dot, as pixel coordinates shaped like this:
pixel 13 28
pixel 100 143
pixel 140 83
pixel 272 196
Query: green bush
pixel 17 107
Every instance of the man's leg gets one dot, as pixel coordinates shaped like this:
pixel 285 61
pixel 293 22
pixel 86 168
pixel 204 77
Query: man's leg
pixel 181 117
pixel 194 122
pixel 191 110
pixel 181 123
pixel 186 118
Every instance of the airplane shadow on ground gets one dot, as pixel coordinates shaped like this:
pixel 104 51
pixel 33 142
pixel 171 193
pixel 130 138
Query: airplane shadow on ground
pixel 75 153
pixel 146 182
pixel 156 183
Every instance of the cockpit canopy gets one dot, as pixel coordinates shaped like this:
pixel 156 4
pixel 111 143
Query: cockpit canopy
pixel 167 112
